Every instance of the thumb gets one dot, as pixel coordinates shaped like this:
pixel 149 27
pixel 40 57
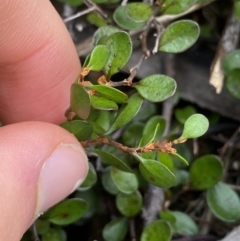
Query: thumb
pixel 40 164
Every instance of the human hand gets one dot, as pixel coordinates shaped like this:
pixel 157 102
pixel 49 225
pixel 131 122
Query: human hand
pixel 40 163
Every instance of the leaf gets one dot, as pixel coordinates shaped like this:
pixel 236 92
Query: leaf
pixel 195 126
pixel 205 172
pixel 156 88
pixel 176 7
pixel 80 101
pixel 147 110
pixel 237 9
pixel 179 36
pixel 231 61
pixel 105 120
pixel 91 178
pixel 115 230
pixel 53 234
pixel 158 230
pixel 124 21
pixel 224 202
pixel 126 182
pixel 42 226
pixel 95 19
pixel 182 177
pixel 98 58
pixel 120 46
pixel 179 157
pixel 102 103
pixel 184 113
pixel 113 161
pixel 82 130
pixel 157 174
pixel 166 160
pixel 67 211
pixel 127 112
pixel 110 93
pixel 233 83
pixel 108 183
pixel 74 3
pixel 181 223
pixel 129 205
pixel 138 12
pixel 103 33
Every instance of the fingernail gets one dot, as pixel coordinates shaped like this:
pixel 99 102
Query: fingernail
pixel 61 174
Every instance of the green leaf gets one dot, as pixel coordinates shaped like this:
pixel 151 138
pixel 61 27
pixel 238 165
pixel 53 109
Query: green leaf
pixel 124 21
pixel 53 234
pixel 184 113
pixel 195 126
pixel 156 88
pixel 108 183
pixel 129 205
pixel 175 7
pixel 138 12
pixel 67 211
pixel 115 230
pixel 233 83
pixel 231 61
pixel 127 112
pixel 102 33
pixel 181 223
pixel 95 19
pixel 166 160
pixel 98 58
pixel 157 231
pixel 74 3
pixel 110 93
pixel 205 172
pixel 42 226
pixel 82 130
pixel 126 182
pixel 120 46
pixel 80 101
pixel 183 154
pixel 237 9
pixel 157 174
pixel 102 103
pixel 104 120
pixel 179 36
pixel 182 176
pixel 147 110
pixel 224 202
pixel 179 157
pixel 91 178
pixel 113 161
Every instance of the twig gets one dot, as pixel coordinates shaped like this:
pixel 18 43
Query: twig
pixel 90 3
pixel 234 187
pixel 124 3
pixel 79 14
pixel 160 28
pixel 132 229
pixel 35 234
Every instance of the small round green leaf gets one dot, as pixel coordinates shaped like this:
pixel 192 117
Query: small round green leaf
pixel 138 12
pixel 205 172
pixel 157 173
pixel 231 61
pixel 195 126
pixel 82 130
pixel 184 224
pixel 103 33
pixel 80 101
pixel 102 103
pixel 157 231
pixel 53 234
pixel 120 46
pixel 126 182
pixel 156 88
pixel 124 21
pixel 184 113
pixel 224 202
pixel 127 112
pixel 113 160
pixel 179 36
pixel 42 226
pixel 110 93
pixel 98 58
pixel 115 230
pixel 233 83
pixel 95 19
pixel 129 205
pixel 108 183
pixel 182 176
pixel 176 7
pixel 67 211
pixel 91 178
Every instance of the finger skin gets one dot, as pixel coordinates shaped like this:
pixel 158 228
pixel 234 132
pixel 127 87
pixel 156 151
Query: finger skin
pixel 38 62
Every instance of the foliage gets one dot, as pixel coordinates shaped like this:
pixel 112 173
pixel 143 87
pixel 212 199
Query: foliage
pixel 143 154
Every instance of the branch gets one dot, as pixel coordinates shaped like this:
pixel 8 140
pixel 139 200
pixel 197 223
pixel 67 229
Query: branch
pixel 160 29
